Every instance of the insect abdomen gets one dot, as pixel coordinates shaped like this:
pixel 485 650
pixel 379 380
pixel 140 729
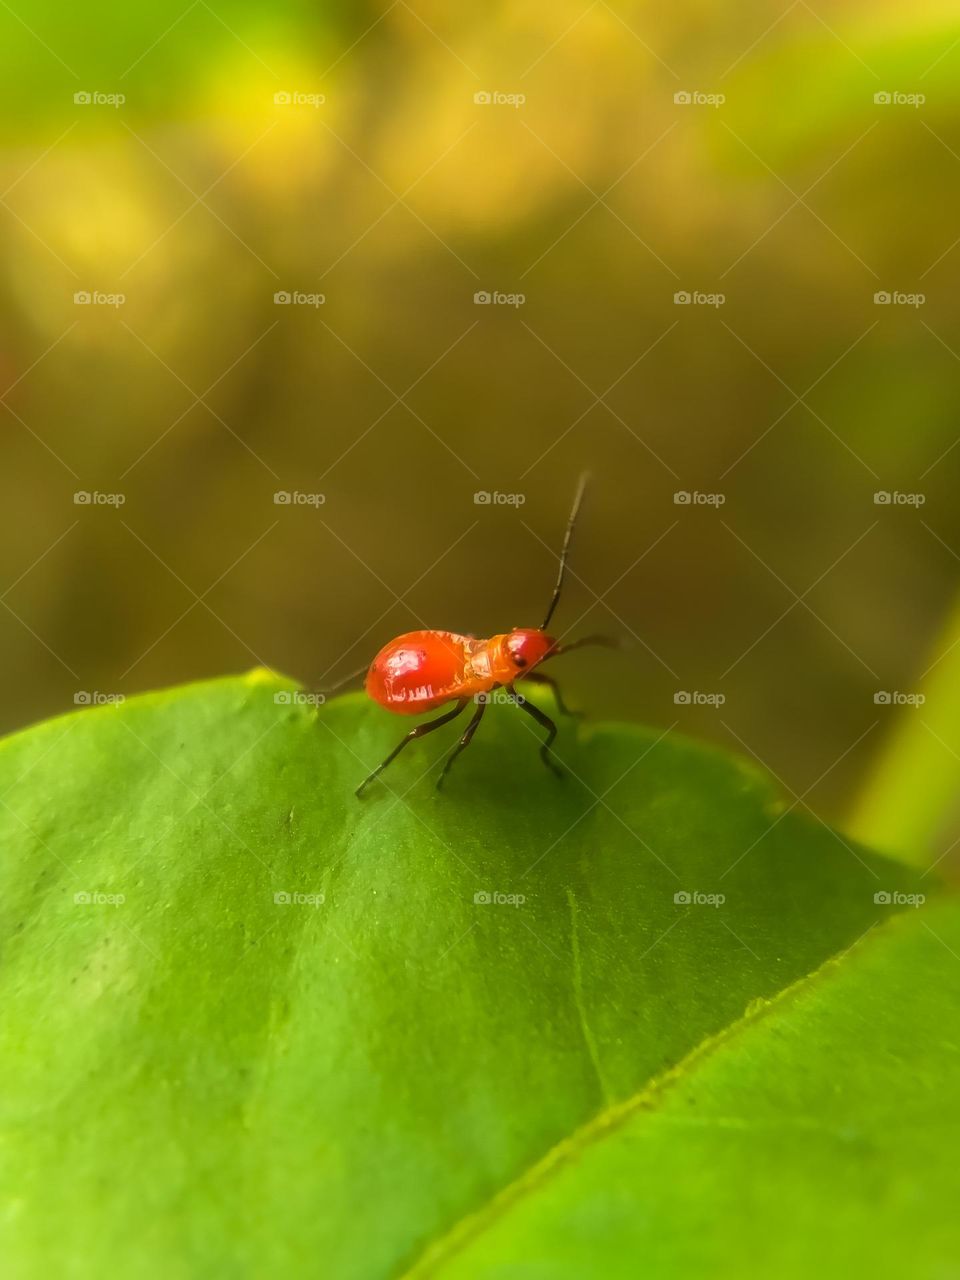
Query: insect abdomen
pixel 417 671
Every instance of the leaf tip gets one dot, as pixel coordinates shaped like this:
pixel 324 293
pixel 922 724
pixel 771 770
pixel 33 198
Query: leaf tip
pixel 262 675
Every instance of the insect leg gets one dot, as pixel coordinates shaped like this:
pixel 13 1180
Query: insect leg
pixel 608 642
pixel 468 733
pixel 538 677
pixel 342 683
pixel 543 720
pixel 418 732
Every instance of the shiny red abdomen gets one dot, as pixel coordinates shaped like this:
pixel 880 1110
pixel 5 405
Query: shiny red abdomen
pixel 424 669
pixel 418 671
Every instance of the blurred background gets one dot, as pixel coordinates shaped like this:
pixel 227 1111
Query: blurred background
pixel 379 258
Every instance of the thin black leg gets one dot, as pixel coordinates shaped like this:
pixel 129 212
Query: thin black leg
pixel 545 722
pixel 418 732
pixel 607 642
pixel 464 742
pixel 343 683
pixel 539 677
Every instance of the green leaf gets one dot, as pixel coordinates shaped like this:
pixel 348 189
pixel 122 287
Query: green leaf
pixel 203 1080
pixel 909 804
pixel 814 1137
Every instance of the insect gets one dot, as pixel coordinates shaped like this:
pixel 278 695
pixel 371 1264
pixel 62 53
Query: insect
pixel 424 670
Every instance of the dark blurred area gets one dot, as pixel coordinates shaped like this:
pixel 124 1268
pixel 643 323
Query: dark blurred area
pixel 581 165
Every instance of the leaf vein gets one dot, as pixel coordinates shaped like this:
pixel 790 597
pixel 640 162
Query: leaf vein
pixel 612 1118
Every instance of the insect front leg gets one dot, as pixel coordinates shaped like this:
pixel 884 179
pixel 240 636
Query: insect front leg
pixel 538 677
pixel 545 722
pixel 418 732
pixel 605 642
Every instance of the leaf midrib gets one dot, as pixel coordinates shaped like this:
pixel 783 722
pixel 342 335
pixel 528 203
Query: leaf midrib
pixel 611 1119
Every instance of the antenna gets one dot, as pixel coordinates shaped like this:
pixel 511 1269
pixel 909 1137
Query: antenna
pixel 564 550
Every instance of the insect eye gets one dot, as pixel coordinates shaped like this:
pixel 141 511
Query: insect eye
pixel 520 662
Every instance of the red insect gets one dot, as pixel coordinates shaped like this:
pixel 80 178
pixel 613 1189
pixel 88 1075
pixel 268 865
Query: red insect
pixel 423 670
